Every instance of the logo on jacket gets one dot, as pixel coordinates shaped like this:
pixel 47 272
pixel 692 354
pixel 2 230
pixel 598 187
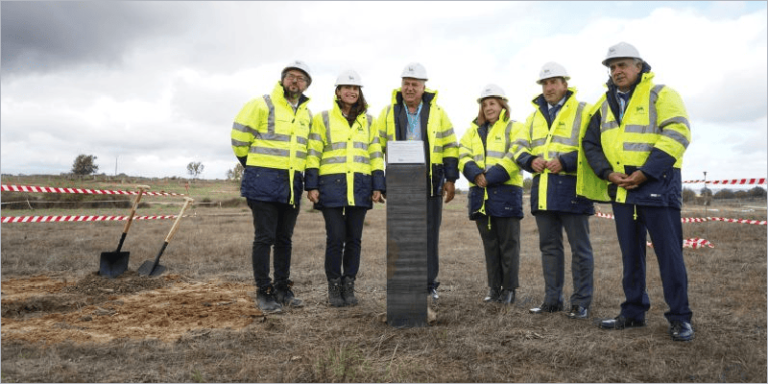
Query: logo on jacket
pixel 640 109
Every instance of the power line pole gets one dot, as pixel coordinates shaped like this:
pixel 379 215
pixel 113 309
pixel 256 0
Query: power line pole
pixel 116 164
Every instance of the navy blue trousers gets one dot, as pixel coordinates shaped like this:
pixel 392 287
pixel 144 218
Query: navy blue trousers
pixel 273 226
pixel 343 238
pixel 666 231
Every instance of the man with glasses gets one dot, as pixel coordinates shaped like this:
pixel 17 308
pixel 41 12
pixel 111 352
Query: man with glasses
pixel 269 138
pixel 415 115
pixel 636 140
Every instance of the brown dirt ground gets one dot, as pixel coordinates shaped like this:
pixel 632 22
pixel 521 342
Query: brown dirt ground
pixel 61 322
pixel 130 307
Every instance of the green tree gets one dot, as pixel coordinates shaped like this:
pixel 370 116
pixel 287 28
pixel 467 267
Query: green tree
pixel 236 173
pixel 84 165
pixel 757 192
pixel 527 183
pixel 195 169
pixel 688 195
pixel 724 194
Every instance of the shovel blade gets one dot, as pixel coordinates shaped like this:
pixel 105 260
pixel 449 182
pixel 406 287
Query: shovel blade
pixel 147 269
pixel 113 264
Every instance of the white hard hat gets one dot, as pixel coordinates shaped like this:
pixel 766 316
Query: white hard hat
pixel 416 71
pixel 492 90
pixel 300 65
pixel 550 70
pixel 349 77
pixel 621 50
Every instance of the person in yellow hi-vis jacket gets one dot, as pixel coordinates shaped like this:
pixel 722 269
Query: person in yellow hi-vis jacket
pixel 636 140
pixel 415 115
pixel 550 151
pixel 269 138
pixel 495 199
pixel 345 176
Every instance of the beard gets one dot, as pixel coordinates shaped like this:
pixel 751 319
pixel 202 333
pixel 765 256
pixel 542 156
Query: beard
pixel 292 94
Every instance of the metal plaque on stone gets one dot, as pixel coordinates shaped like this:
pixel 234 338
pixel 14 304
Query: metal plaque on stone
pixel 406 234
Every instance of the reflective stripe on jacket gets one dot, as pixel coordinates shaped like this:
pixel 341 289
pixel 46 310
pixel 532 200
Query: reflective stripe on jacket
pixel 560 140
pixel 441 149
pixel 344 162
pixel 271 135
pixel 503 195
pixel 651 137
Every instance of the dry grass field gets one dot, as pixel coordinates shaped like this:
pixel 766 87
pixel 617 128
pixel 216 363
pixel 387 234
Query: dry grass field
pixel 61 322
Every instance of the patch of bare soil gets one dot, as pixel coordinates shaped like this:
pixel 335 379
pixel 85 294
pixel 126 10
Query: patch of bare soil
pixel 163 308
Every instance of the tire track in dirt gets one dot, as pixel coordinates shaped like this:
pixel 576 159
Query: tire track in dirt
pixel 166 313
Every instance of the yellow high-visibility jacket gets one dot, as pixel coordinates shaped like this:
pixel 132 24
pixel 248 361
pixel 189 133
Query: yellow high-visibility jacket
pixel 270 140
pixel 441 148
pixel 558 139
pixel 503 197
pixel 652 137
pixel 344 162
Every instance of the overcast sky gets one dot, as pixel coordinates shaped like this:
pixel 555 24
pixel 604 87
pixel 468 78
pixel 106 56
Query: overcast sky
pixel 152 86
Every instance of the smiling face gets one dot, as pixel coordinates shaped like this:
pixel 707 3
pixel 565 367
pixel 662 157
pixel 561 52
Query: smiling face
pixel 491 109
pixel 624 72
pixel 554 89
pixel 348 94
pixel 412 90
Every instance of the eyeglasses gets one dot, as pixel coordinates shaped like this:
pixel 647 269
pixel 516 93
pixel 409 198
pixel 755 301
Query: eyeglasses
pixel 298 78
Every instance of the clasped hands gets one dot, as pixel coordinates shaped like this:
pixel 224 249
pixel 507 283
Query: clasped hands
pixel 539 165
pixel 627 181
pixel 314 196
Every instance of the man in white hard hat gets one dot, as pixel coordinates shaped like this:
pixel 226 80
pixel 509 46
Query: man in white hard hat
pixel 269 138
pixel 636 140
pixel 549 150
pixel 415 115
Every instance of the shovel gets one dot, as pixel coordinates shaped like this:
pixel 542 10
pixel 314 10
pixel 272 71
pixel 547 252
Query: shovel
pixel 153 269
pixel 113 264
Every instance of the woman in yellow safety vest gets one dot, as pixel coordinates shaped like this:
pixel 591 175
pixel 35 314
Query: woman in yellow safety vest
pixel 496 191
pixel 344 176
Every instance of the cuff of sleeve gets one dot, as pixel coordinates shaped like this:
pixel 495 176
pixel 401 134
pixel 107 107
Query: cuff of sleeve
pixel 311 178
pixel 471 170
pixel 496 175
pixel 379 181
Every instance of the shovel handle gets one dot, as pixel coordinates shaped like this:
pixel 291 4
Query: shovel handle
pixel 187 202
pixel 133 209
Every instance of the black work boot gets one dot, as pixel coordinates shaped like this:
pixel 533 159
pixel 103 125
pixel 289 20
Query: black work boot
pixel 348 290
pixel 493 295
pixel 265 297
pixel 334 293
pixel 507 297
pixel 284 295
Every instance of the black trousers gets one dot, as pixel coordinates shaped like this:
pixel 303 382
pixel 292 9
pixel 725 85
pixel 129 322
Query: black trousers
pixel 434 219
pixel 501 243
pixel 343 239
pixel 273 227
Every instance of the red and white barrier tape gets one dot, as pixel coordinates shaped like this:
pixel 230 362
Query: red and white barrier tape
pixel 698 219
pixel 51 219
pixel 694 243
pixel 759 181
pixel 26 188
pixel 742 221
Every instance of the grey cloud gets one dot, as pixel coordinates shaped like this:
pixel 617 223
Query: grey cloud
pixel 48 36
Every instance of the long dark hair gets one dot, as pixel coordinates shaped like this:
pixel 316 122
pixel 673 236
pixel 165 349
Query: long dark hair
pixel 481 115
pixel 358 108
